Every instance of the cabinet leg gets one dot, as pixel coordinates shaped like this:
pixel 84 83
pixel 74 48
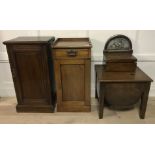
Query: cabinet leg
pixel 101 102
pixel 96 94
pixel 101 110
pixel 96 86
pixel 144 99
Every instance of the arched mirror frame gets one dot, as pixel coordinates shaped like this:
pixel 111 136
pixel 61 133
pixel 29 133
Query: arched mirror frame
pixel 120 46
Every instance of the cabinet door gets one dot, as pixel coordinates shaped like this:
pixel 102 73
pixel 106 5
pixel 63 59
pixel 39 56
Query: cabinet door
pixel 72 78
pixel 31 74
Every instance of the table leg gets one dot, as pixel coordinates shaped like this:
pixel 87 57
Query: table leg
pixel 144 99
pixel 96 96
pixel 101 101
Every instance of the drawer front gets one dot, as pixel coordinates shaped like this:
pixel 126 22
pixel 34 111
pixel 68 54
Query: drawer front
pixel 120 67
pixel 71 53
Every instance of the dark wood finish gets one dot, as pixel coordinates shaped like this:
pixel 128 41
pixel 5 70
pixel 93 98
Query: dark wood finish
pixel 72 74
pixel 101 100
pixel 121 90
pixel 144 99
pixel 120 62
pixel 118 55
pixel 32 72
pixel 30 40
pixel 120 67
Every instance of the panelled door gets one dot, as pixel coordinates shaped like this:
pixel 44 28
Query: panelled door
pixel 30 74
pixel 72 78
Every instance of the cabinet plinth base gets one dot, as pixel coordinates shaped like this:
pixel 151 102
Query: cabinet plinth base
pixel 61 108
pixel 35 109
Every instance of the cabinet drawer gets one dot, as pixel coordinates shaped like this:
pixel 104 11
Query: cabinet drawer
pixel 71 53
pixel 120 67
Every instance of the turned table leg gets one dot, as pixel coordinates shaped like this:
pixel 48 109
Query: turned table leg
pixel 144 99
pixel 101 101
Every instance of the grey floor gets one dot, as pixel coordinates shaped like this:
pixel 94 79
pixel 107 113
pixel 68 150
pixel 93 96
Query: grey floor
pixel 9 115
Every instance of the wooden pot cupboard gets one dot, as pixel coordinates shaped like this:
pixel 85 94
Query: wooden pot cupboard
pixel 32 71
pixel 72 58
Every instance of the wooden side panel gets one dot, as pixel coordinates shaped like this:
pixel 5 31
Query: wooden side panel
pixel 87 81
pixel 58 81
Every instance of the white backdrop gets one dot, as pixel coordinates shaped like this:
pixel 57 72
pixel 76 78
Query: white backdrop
pixel 143 46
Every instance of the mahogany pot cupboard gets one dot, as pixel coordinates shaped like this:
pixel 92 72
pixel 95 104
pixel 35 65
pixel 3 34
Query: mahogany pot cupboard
pixel 32 72
pixel 72 73
pixel 46 73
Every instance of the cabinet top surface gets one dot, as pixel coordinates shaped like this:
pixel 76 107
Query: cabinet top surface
pixel 72 43
pixel 137 76
pixel 30 40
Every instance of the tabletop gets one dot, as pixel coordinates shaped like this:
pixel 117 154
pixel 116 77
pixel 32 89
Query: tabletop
pixel 137 76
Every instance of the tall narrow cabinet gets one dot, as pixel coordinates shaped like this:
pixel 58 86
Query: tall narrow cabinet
pixel 72 58
pixel 32 71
